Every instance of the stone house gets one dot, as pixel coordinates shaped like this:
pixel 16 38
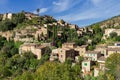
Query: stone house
pixel 86 66
pixel 96 72
pixel 69 45
pixel 81 49
pixel 112 51
pixel 81 29
pixel 117 44
pixel 108 31
pixel 92 55
pixel 67 53
pixel 42 32
pixel 101 62
pixel 68 50
pixel 8 35
pixel 7 16
pixel 62 54
pixel 36 49
pixel 102 49
pixel 29 15
pixel 54 55
pixel 79 32
pixel 73 26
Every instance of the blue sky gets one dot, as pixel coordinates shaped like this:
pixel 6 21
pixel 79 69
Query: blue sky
pixel 80 12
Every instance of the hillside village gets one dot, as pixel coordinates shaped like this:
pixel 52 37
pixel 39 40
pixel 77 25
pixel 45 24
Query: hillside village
pixel 39 37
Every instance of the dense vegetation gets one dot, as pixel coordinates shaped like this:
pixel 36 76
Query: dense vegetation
pixel 26 67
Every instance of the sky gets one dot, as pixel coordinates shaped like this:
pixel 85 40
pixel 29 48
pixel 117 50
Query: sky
pixel 80 12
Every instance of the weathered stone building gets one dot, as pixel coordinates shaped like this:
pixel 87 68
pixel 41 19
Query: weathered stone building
pixel 36 49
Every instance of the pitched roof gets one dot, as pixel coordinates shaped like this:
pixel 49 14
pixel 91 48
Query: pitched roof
pixel 92 52
pixel 102 58
pixel 113 49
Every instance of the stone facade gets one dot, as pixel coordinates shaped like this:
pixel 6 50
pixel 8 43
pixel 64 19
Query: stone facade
pixel 96 72
pixel 108 31
pixel 82 49
pixel 62 54
pixel 102 49
pixel 67 51
pixel 36 49
pixel 69 45
pixel 92 55
pixel 8 35
pixel 86 66
pixel 29 15
pixel 7 16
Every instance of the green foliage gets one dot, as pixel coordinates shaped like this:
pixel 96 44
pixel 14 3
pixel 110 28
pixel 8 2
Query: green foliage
pixel 2 41
pixel 80 59
pixel 25 76
pixel 91 47
pixel 81 41
pixel 88 77
pixel 7 25
pixel 113 34
pixel 22 25
pixel 69 61
pixel 72 35
pixel 96 29
pixel 112 65
pixel 18 43
pixel 4 72
pixel 1 16
pixel 9 49
pixel 17 63
pixel 35 21
pixel 57 71
pixel 117 38
pixel 18 18
pixel 45 56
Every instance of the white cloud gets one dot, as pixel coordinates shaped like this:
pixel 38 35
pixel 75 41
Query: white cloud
pixel 63 5
pixel 57 3
pixel 105 9
pixel 42 10
pixel 96 2
pixel 77 16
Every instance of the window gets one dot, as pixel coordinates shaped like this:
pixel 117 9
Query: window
pixel 85 64
pixel 87 54
pixel 61 56
pixel 90 54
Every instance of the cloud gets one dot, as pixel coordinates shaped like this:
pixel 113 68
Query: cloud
pixel 42 10
pixel 57 3
pixel 63 5
pixel 76 16
pixel 104 10
pixel 96 2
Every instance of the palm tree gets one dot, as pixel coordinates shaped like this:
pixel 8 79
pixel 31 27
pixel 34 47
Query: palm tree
pixel 38 11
